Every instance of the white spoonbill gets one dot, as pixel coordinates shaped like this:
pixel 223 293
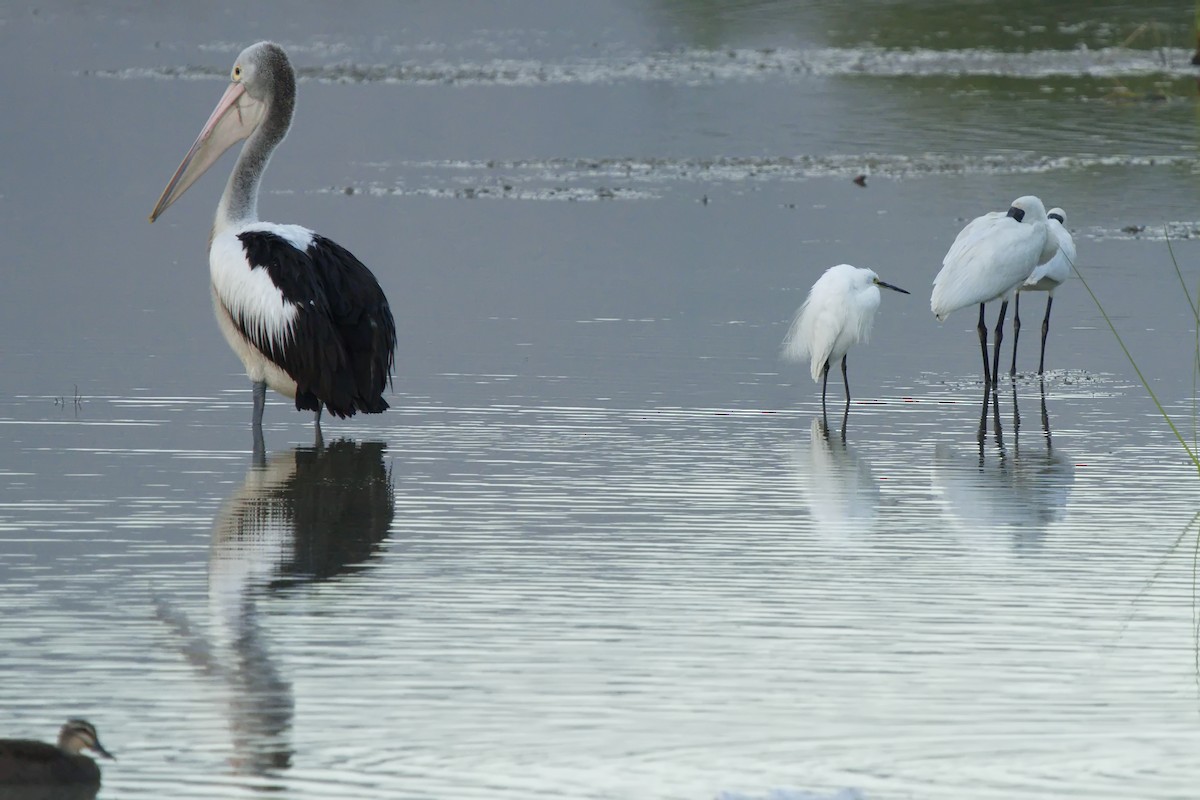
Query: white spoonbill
pixel 303 314
pixel 838 312
pixel 990 258
pixel 1046 278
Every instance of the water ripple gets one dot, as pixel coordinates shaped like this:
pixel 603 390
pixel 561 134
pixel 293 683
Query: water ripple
pixel 585 601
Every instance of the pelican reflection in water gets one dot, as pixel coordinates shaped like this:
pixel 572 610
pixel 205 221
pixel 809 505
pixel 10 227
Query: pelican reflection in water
pixel 303 515
pixel 1022 489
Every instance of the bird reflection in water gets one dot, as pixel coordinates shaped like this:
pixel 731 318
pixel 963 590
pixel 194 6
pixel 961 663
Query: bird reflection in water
pixel 838 486
pixel 1002 486
pixel 302 515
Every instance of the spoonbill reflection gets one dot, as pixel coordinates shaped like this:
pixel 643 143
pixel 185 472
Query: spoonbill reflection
pixel 1046 278
pixel 1001 485
pixel 839 312
pixel 990 258
pixel 305 316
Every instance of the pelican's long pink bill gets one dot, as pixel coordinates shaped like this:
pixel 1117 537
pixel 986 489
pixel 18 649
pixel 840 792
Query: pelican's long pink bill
pixel 234 118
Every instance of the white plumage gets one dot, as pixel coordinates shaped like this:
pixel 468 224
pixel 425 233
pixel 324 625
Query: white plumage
pixel 990 259
pixel 992 256
pixel 248 292
pixel 838 312
pixel 1046 278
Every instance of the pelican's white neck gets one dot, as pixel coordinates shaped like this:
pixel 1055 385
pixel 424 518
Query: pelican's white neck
pixel 239 203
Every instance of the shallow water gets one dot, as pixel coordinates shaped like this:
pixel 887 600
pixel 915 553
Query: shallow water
pixel 603 545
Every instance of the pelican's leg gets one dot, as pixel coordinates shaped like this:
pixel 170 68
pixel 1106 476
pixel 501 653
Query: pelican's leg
pixel 1016 334
pixel 999 338
pixel 846 381
pixel 1045 330
pixel 982 328
pixel 259 456
pixel 260 401
pixel 320 438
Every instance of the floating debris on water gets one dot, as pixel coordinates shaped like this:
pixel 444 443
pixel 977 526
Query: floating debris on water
pixel 697 66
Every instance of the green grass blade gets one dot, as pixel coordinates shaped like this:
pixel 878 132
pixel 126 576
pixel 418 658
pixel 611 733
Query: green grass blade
pixel 1179 273
pixel 1145 383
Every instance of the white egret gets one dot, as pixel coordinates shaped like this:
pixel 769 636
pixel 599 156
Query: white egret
pixel 1046 278
pixel 838 312
pixel 990 258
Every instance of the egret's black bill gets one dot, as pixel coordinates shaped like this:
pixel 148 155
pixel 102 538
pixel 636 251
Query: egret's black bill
pixel 893 288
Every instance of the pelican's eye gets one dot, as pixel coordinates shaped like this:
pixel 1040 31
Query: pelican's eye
pixel 237 73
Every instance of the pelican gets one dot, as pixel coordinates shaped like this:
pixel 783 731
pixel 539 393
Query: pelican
pixel 1046 278
pixel 305 316
pixel 990 258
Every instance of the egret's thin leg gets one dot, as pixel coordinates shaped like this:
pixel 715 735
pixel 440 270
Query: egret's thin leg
pixel 1045 330
pixel 1016 334
pixel 260 401
pixel 846 381
pixel 845 422
pixel 982 328
pixel 824 384
pixel 999 338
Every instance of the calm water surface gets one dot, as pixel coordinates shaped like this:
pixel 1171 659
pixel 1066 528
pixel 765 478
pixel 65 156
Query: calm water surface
pixel 605 545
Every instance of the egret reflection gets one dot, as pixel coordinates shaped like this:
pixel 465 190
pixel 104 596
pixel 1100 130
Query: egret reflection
pixel 1000 484
pixel 301 515
pixel 841 493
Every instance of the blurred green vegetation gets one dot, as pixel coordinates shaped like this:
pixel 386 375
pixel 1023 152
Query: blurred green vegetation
pixel 1015 25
